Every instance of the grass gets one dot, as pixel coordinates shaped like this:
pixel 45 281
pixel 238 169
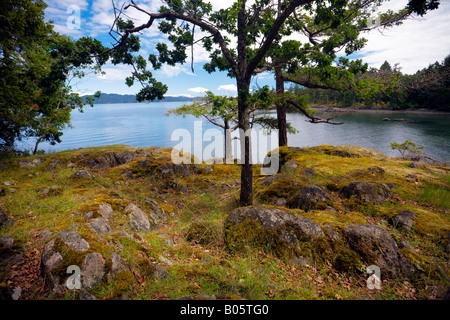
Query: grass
pixel 207 268
pixel 436 195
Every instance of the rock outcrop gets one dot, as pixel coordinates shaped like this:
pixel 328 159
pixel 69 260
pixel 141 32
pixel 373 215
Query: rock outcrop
pixel 309 198
pixel 367 192
pixel 272 228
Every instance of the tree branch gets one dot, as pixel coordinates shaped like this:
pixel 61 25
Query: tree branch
pixel 312 118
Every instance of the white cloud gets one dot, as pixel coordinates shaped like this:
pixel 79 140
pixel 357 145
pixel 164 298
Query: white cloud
pixel 227 87
pixel 415 44
pixel 173 71
pixel 114 73
pixel 198 90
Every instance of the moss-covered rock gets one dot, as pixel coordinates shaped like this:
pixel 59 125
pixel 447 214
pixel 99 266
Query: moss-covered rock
pixel 311 197
pixel 270 229
pixel 375 246
pixel 367 192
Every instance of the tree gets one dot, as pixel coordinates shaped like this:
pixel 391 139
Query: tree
pixel 221 111
pixel 36 65
pixel 255 27
pixel 214 109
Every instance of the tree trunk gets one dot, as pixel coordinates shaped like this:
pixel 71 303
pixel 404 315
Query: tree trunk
pixel 281 108
pixel 228 146
pixel 37 144
pixel 243 86
pixel 246 197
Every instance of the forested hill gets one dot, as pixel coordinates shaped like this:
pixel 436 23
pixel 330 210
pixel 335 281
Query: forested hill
pixel 108 98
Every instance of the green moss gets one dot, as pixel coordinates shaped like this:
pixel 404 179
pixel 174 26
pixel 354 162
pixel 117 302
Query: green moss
pixel 421 262
pixel 347 260
pixel 70 257
pixel 430 224
pixel 122 282
pixel 204 232
pixel 283 187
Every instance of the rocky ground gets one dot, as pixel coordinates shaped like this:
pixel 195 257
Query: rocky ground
pixel 124 223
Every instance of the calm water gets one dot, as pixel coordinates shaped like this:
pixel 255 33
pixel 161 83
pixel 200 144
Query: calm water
pixel 145 125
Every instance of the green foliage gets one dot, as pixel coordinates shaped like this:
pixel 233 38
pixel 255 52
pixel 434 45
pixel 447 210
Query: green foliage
pixel 36 67
pixel 406 148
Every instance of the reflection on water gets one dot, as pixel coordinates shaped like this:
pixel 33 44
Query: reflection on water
pixel 145 125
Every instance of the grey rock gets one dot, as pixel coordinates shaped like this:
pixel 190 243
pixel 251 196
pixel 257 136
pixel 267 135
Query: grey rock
pixel 6 242
pixel 105 210
pixel 375 246
pixel 107 160
pixel 50 191
pixel 161 273
pixel 5 221
pixel 167 239
pixel 404 220
pixel 53 165
pixel 92 271
pixel 289 229
pixel 412 178
pixel 308 172
pixel 405 244
pixel 84 295
pixel 292 164
pixel 157 215
pixel 30 163
pixel 310 197
pixel 74 240
pixel 416 165
pixel 367 192
pixel 138 219
pixel 45 234
pixel 9 183
pixel 100 225
pixel 125 157
pixel 332 234
pixel 53 261
pixel 83 174
pixel 117 263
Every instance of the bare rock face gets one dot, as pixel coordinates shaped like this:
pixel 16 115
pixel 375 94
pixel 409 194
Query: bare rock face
pixel 269 227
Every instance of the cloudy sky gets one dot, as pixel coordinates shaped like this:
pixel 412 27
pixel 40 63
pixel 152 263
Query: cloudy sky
pixel 417 43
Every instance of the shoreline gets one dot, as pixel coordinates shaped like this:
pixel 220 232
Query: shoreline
pixel 379 111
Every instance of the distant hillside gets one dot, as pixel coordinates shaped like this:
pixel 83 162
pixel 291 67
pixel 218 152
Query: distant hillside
pixel 109 98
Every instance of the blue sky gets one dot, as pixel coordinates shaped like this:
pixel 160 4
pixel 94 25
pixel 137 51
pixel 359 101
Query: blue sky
pixel 414 45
